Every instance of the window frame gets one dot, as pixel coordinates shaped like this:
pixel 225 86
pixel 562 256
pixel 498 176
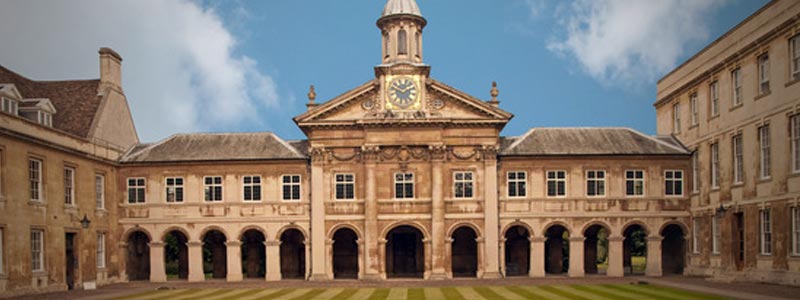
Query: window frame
pixel 598 182
pixel 253 185
pixel 716 235
pixel 795 219
pixel 468 185
pixel 344 183
pixel 676 118
pixel 674 181
pixel 9 106
pixel 175 187
pixel 291 185
pixel 69 186
pixel 556 180
pixel 100 251
pixel 517 183
pixel 404 183
pixel 35 182
pixel 713 95
pixel 37 255
pixel 694 116
pixel 643 181
pixel 736 87
pixel 763 67
pixel 696 236
pixel 715 176
pixel 738 159
pixel 764 152
pixel 765 231
pixel 794 55
pixel 794 141
pixel 210 189
pixel 136 187
pixel 696 172
pixel 99 191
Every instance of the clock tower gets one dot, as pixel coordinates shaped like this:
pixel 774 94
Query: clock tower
pixel 402 74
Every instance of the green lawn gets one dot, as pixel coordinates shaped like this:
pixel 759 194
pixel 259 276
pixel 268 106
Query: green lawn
pixel 542 292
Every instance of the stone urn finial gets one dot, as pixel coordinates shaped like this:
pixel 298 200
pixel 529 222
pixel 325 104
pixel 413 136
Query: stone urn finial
pixel 494 93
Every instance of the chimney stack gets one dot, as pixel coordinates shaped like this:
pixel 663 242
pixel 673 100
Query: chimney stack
pixel 110 69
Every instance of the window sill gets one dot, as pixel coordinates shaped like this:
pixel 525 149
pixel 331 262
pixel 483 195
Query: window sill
pixel 791 175
pixel 715 189
pixel 693 126
pixel 791 82
pixel 695 193
pixel 715 254
pixel 37 203
pixel 765 180
pixel 737 185
pixel 713 117
pixel 735 107
pixel 762 95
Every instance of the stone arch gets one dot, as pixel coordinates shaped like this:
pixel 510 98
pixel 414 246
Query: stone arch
pixel 138 254
pixel 178 228
pixel 635 222
pixel 556 247
pixel 471 225
pixel 673 248
pixel 127 234
pixel 684 228
pixel 352 227
pixel 208 228
pixel 518 223
pixel 634 247
pixel 247 228
pixel 345 253
pixel 551 224
pixel 288 227
pixel 405 251
pixel 464 251
pixel 595 246
pixel 176 252
pixel 293 252
pixel 215 252
pixel 595 222
pixel 517 249
pixel 417 225
pixel 253 250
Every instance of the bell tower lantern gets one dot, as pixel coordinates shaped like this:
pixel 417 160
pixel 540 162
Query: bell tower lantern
pixel 401 25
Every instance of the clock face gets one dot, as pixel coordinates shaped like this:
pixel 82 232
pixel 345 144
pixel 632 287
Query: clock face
pixel 403 92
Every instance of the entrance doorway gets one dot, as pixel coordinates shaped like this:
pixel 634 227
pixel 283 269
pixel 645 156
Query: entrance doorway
pixel 556 250
pixel 71 260
pixel 345 254
pixel 405 255
pixel 464 253
pixel 673 250
pixel 293 255
pixel 518 251
pixel 138 260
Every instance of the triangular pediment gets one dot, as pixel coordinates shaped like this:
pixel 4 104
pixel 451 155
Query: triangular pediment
pixel 366 105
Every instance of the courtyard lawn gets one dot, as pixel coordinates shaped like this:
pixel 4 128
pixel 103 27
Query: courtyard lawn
pixel 558 292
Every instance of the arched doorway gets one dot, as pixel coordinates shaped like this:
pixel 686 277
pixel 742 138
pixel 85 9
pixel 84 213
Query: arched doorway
pixel 405 255
pixel 215 254
pixel 345 254
pixel 673 250
pixel 518 251
pixel 176 255
pixel 556 250
pixel 464 256
pixel 254 256
pixel 138 260
pixel 634 250
pixel 293 255
pixel 595 250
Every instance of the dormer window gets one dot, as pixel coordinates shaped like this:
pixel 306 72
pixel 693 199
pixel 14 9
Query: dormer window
pixel 10 106
pixel 45 119
pixel 38 110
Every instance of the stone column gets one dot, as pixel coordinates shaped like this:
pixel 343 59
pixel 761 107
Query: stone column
pixel 615 256
pixel 196 261
pixel 502 255
pixel 382 257
pixel 329 260
pixel 123 254
pixel 437 229
pixel 427 244
pixel 234 252
pixel 491 212
pixel 537 257
pixel 157 271
pixel 576 256
pixel 481 257
pixel 317 262
pixel 307 275
pixel 273 249
pixel 371 252
pixel 654 256
pixel 360 258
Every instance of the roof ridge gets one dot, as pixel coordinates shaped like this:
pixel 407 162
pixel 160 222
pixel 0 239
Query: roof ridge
pixel 285 144
pixel 521 138
pixel 44 81
pixel 656 140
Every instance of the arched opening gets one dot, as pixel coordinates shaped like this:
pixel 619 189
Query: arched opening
pixel 405 255
pixel 345 254
pixel 254 256
pixel 215 255
pixel 634 250
pixel 176 255
pixel 293 255
pixel 138 261
pixel 595 250
pixel 402 42
pixel 556 250
pixel 673 250
pixel 464 256
pixel 518 251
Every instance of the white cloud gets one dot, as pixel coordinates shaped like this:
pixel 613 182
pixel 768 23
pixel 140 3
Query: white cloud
pixel 181 72
pixel 620 41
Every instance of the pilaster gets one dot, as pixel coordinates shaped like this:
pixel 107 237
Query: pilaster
pixel 437 228
pixel 537 257
pixel 372 256
pixel 157 270
pixel 615 257
pixel 195 261
pixel 491 211
pixel 317 216
pixel 234 252
pixel 654 256
pixel 273 254
pixel 576 256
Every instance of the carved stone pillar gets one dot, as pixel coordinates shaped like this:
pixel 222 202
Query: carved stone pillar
pixel 576 256
pixel 273 249
pixel 196 261
pixel 615 256
pixel 537 257
pixel 437 228
pixel 317 263
pixel 157 271
pixel 234 252
pixel 491 212
pixel 371 252
pixel 361 259
pixel 654 256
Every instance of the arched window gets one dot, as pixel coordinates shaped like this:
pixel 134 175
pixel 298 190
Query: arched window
pixel 419 45
pixel 402 44
pixel 386 44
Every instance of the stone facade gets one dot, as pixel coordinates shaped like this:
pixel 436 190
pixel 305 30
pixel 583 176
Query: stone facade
pixel 762 52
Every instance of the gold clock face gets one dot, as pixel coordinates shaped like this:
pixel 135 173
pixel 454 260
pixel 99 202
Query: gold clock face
pixel 402 92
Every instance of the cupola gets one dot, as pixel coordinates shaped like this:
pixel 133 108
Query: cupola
pixel 401 25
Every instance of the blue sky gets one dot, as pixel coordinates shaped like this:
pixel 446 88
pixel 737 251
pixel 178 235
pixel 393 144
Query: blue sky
pixel 246 65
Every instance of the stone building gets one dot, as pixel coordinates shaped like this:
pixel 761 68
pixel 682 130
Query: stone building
pixel 736 105
pixel 401 177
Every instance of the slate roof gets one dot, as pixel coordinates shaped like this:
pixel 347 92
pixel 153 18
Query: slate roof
pixel 589 141
pixel 401 7
pixel 214 147
pixel 76 101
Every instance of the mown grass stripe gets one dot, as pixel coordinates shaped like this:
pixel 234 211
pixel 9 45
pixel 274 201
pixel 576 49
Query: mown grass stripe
pixel 434 293
pixel 345 294
pixel 309 295
pixel 684 294
pixel 487 293
pixel 593 289
pixel 181 294
pixel 563 293
pixel 241 294
pixel 279 293
pixel 141 295
pixel 450 293
pixel 639 290
pixel 623 292
pixel 211 293
pixel 415 294
pixel 525 293
pixel 379 294
pixel 397 294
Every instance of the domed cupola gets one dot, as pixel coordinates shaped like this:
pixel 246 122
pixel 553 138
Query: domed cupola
pixel 401 24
